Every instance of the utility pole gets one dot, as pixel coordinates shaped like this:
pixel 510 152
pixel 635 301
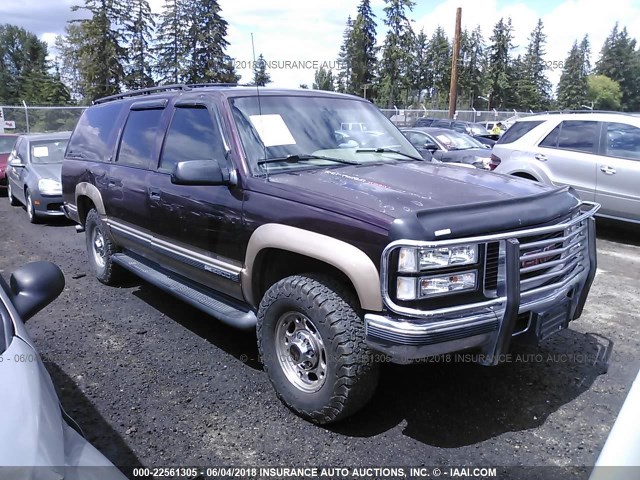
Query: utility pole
pixel 454 64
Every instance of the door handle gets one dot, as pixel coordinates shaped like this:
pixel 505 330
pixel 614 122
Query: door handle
pixel 541 157
pixel 607 169
pixel 154 194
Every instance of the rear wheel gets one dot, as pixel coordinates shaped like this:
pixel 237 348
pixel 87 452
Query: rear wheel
pixel 100 249
pixel 311 342
pixel 13 201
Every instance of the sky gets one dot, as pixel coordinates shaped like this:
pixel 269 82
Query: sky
pixel 308 33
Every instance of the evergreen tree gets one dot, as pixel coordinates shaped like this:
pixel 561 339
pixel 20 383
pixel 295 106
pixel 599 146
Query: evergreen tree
pixel 172 45
pixel 260 75
pixel 208 61
pixel 139 27
pixel 439 59
pixel 620 62
pixel 323 80
pixel 102 52
pixel 499 59
pixel 363 49
pixel 573 87
pixel 534 89
pixel 396 52
pixel 421 73
pixel 68 47
pixel 345 56
pixel 471 67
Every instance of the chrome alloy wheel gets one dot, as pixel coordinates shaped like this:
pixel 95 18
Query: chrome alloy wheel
pixel 301 353
pixel 98 250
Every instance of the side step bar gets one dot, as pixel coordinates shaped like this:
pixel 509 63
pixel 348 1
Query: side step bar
pixel 228 311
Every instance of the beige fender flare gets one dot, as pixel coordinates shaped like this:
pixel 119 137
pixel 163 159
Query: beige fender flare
pixel 350 260
pixel 88 190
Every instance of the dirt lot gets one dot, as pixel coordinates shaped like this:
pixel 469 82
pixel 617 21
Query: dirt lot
pixel 154 382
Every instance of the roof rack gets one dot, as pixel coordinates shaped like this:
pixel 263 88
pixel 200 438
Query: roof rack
pixel 160 88
pixel 558 112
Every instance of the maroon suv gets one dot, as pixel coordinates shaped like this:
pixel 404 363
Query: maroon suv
pixel 7 141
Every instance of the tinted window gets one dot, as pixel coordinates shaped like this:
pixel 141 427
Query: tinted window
pixel 623 141
pixel 91 137
pixel 517 130
pixel 579 135
pixel 192 135
pixel 417 139
pixel 460 127
pixel 6 144
pixel 442 123
pixel 21 149
pixel 138 138
pixel 424 122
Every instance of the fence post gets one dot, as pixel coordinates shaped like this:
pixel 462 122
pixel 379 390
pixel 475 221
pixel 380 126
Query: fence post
pixel 26 114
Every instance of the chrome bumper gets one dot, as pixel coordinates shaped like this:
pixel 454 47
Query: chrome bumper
pixel 488 327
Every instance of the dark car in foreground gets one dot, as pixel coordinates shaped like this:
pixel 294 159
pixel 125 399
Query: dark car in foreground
pixel 449 146
pixel 339 255
pixel 7 141
pixel 37 438
pixel 33 174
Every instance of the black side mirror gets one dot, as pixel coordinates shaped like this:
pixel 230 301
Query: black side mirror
pixel 432 147
pixel 34 286
pixel 199 172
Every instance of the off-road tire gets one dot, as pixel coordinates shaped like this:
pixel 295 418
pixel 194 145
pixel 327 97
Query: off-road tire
pixel 351 374
pixel 109 273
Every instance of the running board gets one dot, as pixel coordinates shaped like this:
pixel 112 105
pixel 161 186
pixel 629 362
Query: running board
pixel 228 311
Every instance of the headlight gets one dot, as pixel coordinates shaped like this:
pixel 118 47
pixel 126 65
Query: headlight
pixel 411 288
pixel 412 260
pixel 48 186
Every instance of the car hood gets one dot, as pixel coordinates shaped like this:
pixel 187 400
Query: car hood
pixel 420 192
pixel 48 170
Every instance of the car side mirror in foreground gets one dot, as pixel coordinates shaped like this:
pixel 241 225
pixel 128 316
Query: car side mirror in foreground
pixel 34 286
pixel 432 147
pixel 199 172
pixel 16 162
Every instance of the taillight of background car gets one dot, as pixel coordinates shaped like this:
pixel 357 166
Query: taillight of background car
pixel 495 161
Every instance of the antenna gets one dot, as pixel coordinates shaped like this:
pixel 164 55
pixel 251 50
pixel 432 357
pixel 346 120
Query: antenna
pixel 255 79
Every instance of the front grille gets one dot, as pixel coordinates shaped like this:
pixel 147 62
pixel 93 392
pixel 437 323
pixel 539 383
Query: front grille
pixel 491 267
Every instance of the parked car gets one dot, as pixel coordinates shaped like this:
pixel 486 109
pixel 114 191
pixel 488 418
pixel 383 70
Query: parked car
pixel 37 438
pixel 476 130
pixel 7 141
pixel 424 122
pixel 598 154
pixel 249 208
pixel 33 174
pixel 449 146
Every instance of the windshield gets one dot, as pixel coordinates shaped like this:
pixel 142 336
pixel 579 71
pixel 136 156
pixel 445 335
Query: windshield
pixel 478 129
pixel 49 151
pixel 457 141
pixel 6 144
pixel 283 130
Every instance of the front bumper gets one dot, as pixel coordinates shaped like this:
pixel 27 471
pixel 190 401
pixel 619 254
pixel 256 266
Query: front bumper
pixel 47 205
pixel 521 306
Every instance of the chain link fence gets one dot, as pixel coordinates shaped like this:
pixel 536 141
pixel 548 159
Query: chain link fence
pixel 406 118
pixel 32 119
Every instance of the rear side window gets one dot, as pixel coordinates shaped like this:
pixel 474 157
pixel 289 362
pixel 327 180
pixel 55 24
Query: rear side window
pixel 442 123
pixel 424 122
pixel 91 139
pixel 623 141
pixel 578 135
pixel 517 131
pixel 139 137
pixel 192 135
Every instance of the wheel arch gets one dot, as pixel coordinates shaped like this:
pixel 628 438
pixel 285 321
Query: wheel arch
pixel 87 196
pixel 304 250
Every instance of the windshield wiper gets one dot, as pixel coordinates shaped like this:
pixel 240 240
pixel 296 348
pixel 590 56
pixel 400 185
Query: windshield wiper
pixel 388 150
pixel 303 157
pixel 463 148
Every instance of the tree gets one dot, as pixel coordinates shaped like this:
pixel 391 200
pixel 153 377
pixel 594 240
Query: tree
pixel 604 92
pixel 323 80
pixel 396 52
pixel 68 47
pixel 421 73
pixel 573 87
pixel 260 75
pixel 472 66
pixel 363 49
pixel 172 45
pixel 620 62
pixel 499 59
pixel 304 86
pixel 208 61
pixel 439 54
pixel 102 53
pixel 534 88
pixel 345 59
pixel 138 32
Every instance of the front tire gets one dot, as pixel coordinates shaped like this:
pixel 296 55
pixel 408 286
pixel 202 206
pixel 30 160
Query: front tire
pixel 311 342
pixel 31 211
pixel 101 249
pixel 13 201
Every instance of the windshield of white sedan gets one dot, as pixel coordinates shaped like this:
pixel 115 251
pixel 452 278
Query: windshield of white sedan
pixel 48 152
pixel 457 141
pixel 284 133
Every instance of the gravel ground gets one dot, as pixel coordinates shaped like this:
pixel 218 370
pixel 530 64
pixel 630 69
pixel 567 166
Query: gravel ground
pixel 154 382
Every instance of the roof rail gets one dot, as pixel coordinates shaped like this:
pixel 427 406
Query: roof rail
pixel 585 111
pixel 160 88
